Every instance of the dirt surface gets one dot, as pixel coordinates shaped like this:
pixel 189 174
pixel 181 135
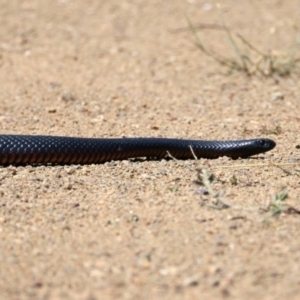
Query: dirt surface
pixel 143 229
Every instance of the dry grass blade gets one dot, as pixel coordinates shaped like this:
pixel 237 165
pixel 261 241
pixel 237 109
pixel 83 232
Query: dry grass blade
pixel 264 64
pixel 241 58
pixel 286 171
pixel 199 27
pixel 222 60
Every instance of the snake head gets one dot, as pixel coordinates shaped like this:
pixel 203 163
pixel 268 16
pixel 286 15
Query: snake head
pixel 257 146
pixel 265 144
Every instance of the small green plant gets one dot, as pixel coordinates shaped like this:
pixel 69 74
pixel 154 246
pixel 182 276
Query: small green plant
pixel 264 64
pixel 233 180
pixel 278 204
pixel 207 179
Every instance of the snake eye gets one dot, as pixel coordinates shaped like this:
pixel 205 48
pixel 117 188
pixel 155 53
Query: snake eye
pixel 263 143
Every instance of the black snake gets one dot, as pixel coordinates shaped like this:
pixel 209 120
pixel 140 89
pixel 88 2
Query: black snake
pixel 41 149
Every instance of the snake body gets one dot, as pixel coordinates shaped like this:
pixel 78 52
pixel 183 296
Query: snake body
pixel 41 149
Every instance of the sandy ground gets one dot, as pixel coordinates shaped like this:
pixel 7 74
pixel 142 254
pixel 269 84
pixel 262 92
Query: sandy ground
pixel 144 229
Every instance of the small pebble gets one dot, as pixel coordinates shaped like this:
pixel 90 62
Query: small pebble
pixel 277 96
